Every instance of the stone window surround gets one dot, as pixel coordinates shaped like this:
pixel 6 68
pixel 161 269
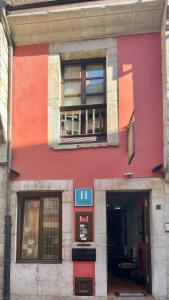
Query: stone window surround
pixel 38 282
pixel 82 50
pixel 3 95
pixel 157 234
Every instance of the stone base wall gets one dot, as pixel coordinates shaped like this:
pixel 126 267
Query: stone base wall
pixel 31 297
pixel 3 187
pixel 33 280
pixel 55 281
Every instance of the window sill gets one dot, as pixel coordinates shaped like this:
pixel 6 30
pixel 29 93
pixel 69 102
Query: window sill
pixel 85 145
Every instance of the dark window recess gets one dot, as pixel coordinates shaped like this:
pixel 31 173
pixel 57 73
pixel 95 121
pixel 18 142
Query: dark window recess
pixel 83 286
pixel 39 227
pixel 83 108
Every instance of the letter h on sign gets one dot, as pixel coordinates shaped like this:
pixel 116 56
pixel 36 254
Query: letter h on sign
pixel 83 197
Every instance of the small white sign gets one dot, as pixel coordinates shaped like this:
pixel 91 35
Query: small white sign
pixel 83 197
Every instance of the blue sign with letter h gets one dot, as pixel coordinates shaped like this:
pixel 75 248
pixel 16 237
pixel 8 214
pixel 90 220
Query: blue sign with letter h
pixel 83 197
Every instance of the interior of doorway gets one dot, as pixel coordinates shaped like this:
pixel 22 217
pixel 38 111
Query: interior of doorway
pixel 128 246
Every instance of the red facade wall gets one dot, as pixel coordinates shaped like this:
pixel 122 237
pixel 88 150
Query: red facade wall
pixel 139 86
pixel 139 83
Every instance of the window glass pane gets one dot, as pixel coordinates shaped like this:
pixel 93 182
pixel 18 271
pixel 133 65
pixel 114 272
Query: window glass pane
pixel 94 99
pixel 72 101
pixel 72 88
pixel 30 229
pixel 51 228
pixel 72 72
pixel 94 71
pixel 94 86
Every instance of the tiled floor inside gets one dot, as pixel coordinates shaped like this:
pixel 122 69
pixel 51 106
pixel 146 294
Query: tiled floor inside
pixel 117 284
pixel 125 285
pixel 113 297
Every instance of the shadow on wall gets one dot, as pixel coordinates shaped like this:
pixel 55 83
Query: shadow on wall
pixel 139 86
pixel 82 165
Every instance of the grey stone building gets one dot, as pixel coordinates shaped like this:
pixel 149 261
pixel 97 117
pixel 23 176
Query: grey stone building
pixel 5 78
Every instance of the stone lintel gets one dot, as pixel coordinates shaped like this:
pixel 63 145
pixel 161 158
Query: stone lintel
pixel 41 185
pixel 129 184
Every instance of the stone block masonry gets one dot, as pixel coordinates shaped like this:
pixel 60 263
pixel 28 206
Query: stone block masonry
pixel 3 188
pixel 3 143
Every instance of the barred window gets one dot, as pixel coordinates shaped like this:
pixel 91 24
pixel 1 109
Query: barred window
pixel 83 107
pixel 39 227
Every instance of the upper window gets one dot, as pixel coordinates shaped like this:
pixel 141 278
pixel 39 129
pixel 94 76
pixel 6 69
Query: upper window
pixel 39 227
pixel 83 107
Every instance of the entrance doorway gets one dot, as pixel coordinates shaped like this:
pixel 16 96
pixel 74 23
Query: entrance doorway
pixel 128 242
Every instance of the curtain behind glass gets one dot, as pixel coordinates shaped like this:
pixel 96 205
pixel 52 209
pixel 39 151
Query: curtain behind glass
pixel 30 229
pixel 50 227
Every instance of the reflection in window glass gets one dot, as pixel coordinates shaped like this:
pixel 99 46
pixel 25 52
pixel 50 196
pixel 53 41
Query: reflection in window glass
pixel 30 229
pixel 51 227
pixel 94 71
pixel 94 86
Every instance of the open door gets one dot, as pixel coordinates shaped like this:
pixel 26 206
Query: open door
pixel 128 243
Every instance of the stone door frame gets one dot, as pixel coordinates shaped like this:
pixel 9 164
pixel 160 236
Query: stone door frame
pixel 155 187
